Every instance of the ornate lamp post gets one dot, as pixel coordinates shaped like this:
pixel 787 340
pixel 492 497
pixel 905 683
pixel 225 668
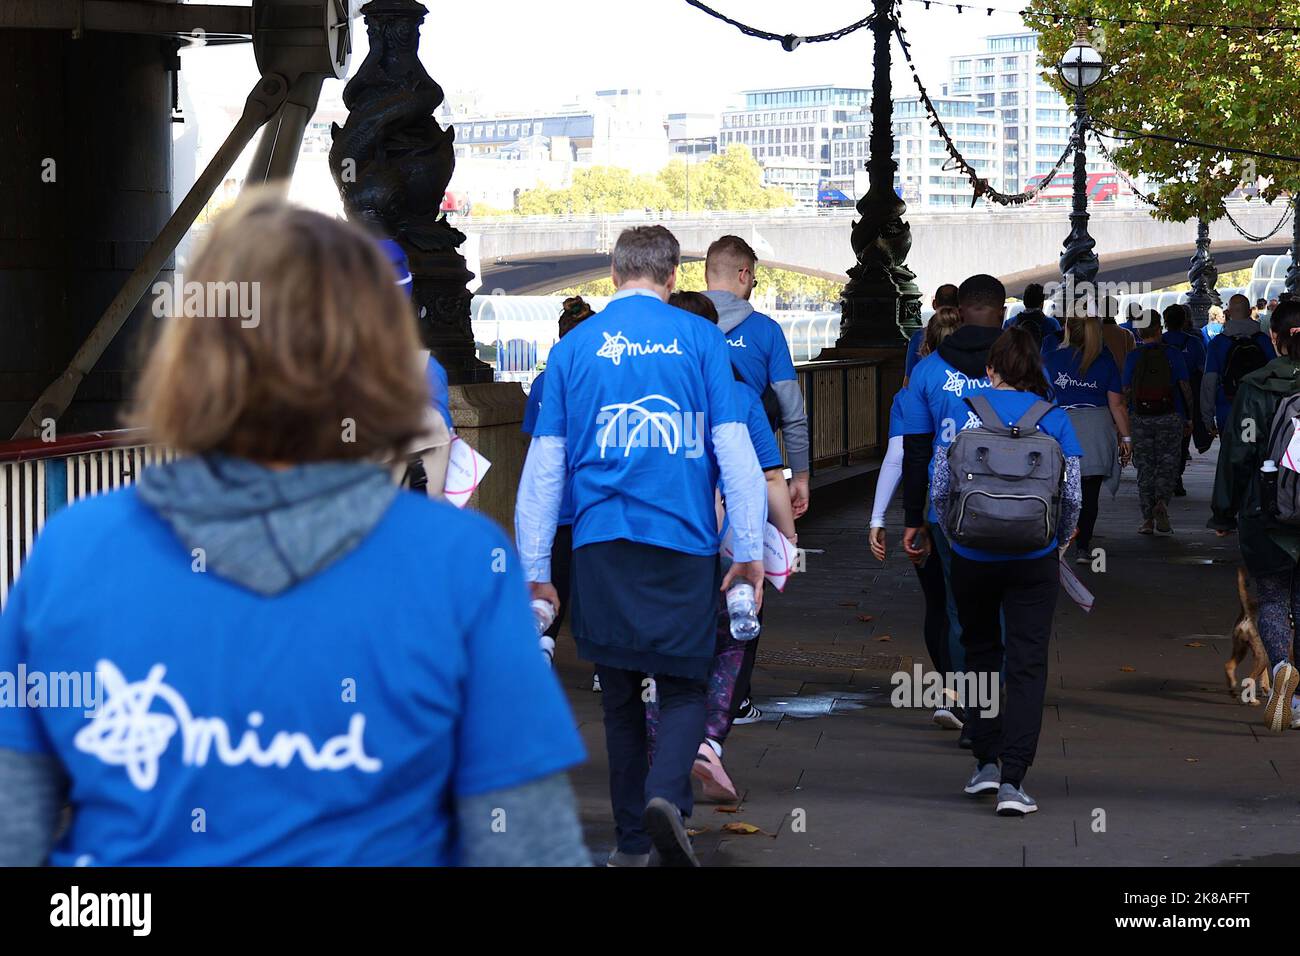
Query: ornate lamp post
pixel 1080 69
pixel 1202 275
pixel 881 302
pixel 1293 271
pixel 392 163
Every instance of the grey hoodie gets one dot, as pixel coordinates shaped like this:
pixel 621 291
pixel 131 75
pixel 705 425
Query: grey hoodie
pixel 267 530
pixel 733 310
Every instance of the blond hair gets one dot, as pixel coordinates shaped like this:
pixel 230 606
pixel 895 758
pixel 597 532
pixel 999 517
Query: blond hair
pixel 942 324
pixel 328 369
pixel 1083 332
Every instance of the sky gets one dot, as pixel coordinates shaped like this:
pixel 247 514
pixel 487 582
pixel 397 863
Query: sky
pixel 525 54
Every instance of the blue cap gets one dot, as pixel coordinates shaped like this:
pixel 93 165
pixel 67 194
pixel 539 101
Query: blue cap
pixel 401 265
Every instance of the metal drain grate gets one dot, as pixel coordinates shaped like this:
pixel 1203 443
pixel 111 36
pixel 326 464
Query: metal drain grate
pixel 831 659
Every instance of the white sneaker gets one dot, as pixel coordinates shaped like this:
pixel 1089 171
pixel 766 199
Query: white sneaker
pixel 946 719
pixel 595 684
pixel 1278 711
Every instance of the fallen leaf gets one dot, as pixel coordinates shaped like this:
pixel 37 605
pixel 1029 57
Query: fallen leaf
pixel 1128 670
pixel 865 618
pixel 1193 644
pixel 1192 759
pixel 696 831
pixel 746 828
pixel 726 809
pixel 884 637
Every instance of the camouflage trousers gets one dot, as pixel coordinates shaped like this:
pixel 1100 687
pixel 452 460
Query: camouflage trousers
pixel 1158 456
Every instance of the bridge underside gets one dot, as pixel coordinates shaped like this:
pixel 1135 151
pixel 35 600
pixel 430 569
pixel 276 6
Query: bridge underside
pixel 544 274
pixel 1152 268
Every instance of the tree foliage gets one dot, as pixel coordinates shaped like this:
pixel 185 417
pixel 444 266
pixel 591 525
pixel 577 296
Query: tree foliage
pixel 730 180
pixel 1236 89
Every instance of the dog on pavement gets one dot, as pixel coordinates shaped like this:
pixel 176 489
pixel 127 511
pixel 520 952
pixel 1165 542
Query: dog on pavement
pixel 1245 640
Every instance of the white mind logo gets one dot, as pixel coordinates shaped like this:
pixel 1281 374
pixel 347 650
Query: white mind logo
pixel 972 421
pixel 737 343
pixel 663 422
pixel 126 733
pixel 618 345
pixel 958 383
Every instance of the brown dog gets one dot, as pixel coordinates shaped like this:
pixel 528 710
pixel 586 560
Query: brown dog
pixel 1245 638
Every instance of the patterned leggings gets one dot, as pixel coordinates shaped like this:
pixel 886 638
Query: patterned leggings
pixel 728 656
pixel 1279 601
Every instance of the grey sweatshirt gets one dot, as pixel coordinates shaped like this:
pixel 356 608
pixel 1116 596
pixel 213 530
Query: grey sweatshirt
pixel 733 310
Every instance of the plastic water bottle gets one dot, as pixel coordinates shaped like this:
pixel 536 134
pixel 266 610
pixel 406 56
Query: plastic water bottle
pixel 1268 487
pixel 543 615
pixel 743 611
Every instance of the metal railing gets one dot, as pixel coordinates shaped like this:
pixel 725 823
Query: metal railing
pixel 39 478
pixel 843 400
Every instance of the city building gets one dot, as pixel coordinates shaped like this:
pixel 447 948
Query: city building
pixel 692 136
pixel 1006 81
pixel 799 122
pixel 797 176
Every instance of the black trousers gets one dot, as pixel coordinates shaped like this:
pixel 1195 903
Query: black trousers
pixel 1024 592
pixel 633 779
pixel 561 573
pixel 1088 513
pixel 930 574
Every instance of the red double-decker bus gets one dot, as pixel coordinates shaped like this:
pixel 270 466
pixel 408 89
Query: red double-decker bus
pixel 1102 187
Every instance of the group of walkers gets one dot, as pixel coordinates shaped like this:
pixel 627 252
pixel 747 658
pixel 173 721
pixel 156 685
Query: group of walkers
pixel 322 668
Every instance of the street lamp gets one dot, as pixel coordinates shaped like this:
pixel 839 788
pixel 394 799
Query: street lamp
pixel 1080 68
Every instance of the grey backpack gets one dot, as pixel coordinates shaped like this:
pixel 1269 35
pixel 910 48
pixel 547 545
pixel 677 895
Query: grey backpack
pixel 1005 493
pixel 1282 500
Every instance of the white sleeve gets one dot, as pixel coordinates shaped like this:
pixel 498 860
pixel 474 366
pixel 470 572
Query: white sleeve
pixel 537 506
pixel 743 487
pixel 891 473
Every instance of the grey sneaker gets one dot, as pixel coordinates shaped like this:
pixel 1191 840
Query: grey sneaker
pixel 1014 802
pixel 663 822
pixel 986 779
pixel 1277 712
pixel 619 858
pixel 1162 519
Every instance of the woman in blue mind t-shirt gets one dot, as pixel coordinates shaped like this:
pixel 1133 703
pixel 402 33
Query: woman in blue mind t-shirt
pixel 1085 381
pixel 1006 601
pixel 294 662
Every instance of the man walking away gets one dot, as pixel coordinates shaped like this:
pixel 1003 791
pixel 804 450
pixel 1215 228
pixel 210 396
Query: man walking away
pixel 934 411
pixel 1180 335
pixel 640 416
pixel 1238 350
pixel 1160 399
pixel 1044 328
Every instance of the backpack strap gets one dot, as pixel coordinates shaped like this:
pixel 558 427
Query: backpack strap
pixel 982 407
pixel 1032 416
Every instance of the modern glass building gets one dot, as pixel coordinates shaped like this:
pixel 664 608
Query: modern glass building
pixel 793 122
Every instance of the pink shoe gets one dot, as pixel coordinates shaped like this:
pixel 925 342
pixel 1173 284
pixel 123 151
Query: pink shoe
pixel 708 769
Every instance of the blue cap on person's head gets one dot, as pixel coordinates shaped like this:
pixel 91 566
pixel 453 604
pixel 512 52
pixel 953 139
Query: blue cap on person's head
pixel 401 265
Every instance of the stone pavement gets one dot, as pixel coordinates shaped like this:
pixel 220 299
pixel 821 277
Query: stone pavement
pixel 1138 725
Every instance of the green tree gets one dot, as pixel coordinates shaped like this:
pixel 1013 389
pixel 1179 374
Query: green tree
pixel 731 180
pixel 1235 89
pixel 790 288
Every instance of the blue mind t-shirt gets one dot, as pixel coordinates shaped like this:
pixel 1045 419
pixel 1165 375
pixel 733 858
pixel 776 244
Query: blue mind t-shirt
pixel 1011 406
pixel 532 409
pixel 1216 361
pixel 332 724
pixel 635 392
pixel 760 353
pixel 1072 388
pixel 1178 370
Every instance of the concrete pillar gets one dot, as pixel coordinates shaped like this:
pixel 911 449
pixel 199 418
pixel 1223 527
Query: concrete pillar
pixel 488 416
pixel 85 181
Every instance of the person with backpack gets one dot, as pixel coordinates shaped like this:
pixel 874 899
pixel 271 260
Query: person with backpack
pixel 1085 381
pixel 1264 507
pixel 934 412
pixel 1007 494
pixel 1159 398
pixel 1045 329
pixel 1241 348
pixel 1180 335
